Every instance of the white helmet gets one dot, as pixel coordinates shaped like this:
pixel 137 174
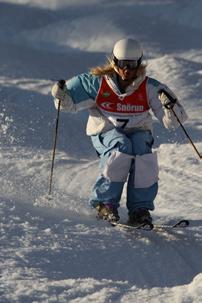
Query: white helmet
pixel 127 49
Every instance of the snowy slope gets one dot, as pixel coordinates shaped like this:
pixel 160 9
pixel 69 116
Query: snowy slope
pixel 55 250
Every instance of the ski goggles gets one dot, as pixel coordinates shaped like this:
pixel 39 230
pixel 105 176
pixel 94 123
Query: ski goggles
pixel 130 64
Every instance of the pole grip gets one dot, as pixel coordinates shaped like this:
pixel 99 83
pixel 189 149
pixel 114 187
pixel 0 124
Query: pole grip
pixel 173 100
pixel 61 83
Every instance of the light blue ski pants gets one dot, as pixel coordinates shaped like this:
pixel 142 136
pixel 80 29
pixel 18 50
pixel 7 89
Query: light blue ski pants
pixel 118 154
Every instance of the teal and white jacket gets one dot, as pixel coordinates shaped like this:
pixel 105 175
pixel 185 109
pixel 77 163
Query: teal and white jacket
pixel 82 91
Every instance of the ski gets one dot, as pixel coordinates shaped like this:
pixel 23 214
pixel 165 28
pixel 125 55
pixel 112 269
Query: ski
pixel 147 225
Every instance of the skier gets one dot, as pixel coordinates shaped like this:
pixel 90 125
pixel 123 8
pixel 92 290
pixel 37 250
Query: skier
pixel 119 97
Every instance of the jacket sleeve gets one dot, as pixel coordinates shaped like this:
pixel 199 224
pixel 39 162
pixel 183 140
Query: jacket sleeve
pixel 80 93
pixel 163 114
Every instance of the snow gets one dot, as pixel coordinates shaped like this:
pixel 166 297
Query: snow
pixel 54 250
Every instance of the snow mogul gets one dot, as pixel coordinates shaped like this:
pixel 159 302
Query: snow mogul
pixel 120 98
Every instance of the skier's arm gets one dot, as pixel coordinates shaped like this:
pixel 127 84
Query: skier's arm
pixel 78 94
pixel 161 105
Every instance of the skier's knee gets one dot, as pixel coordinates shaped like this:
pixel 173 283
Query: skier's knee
pixel 145 170
pixel 117 166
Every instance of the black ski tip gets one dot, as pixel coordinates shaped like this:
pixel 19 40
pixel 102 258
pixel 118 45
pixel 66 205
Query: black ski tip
pixel 182 223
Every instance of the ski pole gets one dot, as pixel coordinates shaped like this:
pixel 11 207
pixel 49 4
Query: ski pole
pixel 61 84
pixel 173 101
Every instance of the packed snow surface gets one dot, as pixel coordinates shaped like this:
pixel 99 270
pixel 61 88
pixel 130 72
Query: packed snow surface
pixel 54 250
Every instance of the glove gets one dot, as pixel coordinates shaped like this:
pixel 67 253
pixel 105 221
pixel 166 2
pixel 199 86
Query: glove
pixel 58 90
pixel 167 100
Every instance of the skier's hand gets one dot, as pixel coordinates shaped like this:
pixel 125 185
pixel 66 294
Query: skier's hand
pixel 58 91
pixel 167 100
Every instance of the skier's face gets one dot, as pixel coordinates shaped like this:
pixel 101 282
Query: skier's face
pixel 127 74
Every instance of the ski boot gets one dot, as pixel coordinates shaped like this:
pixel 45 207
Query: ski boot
pixel 107 212
pixel 139 217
